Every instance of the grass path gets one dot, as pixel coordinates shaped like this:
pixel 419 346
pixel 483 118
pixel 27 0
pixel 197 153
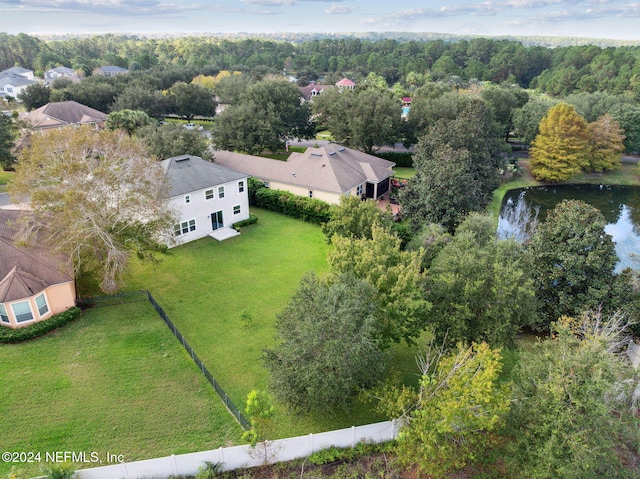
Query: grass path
pixel 114 380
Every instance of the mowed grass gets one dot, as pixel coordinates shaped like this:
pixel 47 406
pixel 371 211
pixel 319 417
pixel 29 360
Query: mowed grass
pixel 113 380
pixel 205 286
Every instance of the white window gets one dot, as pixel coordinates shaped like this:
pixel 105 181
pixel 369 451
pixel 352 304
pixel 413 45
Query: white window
pixel 41 302
pixel 240 186
pixel 187 198
pixel 4 317
pixel 22 311
pixel 236 210
pixel 359 190
pixel 208 195
pixel 9 89
pixel 184 227
pixel 220 192
pixel 310 193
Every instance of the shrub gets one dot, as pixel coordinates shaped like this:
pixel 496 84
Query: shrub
pixel 400 159
pixel 38 329
pixel 300 207
pixel 251 220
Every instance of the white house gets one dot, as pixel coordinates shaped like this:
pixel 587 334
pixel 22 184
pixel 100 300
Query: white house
pixel 12 84
pixel 209 197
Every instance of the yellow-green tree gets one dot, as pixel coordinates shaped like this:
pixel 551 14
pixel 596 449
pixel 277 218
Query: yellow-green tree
pixel 607 144
pixel 454 415
pixel 561 149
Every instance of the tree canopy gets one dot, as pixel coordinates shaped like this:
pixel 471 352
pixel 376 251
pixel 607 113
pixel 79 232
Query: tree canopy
pixel 479 287
pixel 96 197
pixel 453 418
pixel 8 134
pixel 571 259
pixel 326 344
pixel 266 115
pixel 456 166
pixel 365 119
pixel 561 149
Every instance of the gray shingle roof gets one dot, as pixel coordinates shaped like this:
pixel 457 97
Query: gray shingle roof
pixel 188 173
pixel 24 271
pixel 64 113
pixel 331 168
pixel 16 71
pixel 15 80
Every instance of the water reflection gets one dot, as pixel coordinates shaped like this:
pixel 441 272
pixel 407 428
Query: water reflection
pixel 620 205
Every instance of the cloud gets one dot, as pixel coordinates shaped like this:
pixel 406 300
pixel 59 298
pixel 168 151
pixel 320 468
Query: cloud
pixel 103 7
pixel 339 9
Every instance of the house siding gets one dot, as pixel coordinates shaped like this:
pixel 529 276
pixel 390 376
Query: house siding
pixel 200 209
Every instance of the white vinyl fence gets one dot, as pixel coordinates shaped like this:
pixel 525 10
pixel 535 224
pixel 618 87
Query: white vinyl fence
pixel 633 351
pixel 244 456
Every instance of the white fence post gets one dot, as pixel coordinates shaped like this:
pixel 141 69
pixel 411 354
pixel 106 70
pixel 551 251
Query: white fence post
pixel 310 443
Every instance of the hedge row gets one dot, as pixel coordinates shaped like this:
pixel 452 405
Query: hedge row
pixel 404 160
pixel 251 220
pixel 300 207
pixel 38 329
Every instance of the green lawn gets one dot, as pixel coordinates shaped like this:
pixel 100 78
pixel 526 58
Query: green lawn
pixel 205 286
pixel 114 380
pixel 403 173
pixel 5 176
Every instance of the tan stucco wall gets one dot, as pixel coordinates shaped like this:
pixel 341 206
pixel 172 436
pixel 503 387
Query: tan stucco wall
pixel 333 198
pixel 60 297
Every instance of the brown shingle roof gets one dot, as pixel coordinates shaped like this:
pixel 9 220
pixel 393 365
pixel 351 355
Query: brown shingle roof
pixel 331 168
pixel 54 115
pixel 25 271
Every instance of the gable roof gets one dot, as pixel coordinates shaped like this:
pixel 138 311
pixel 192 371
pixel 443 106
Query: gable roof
pixel 307 91
pixel 331 168
pixel 188 173
pixel 17 71
pixel 54 115
pixel 15 80
pixel 24 271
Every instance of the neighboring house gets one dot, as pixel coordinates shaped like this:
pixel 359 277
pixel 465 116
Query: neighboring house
pixel 65 113
pixel 12 84
pixel 210 198
pixel 312 90
pixel 61 72
pixel 346 84
pixel 23 72
pixel 33 285
pixel 110 71
pixel 325 173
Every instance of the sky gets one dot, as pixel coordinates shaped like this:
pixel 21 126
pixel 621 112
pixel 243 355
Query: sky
pixel 611 19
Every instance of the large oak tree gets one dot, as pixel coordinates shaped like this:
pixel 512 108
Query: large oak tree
pixel 96 197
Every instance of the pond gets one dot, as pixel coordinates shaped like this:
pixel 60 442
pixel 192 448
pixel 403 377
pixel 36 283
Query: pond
pixel 620 205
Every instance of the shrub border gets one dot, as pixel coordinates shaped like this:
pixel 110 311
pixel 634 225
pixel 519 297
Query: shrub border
pixel 18 335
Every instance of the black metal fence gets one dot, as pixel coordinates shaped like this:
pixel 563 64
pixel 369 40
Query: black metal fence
pixel 145 295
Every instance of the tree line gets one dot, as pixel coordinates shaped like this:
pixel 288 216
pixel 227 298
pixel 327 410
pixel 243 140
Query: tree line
pixel 557 71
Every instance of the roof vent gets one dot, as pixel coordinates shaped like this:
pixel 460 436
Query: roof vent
pixel 332 153
pixel 342 148
pixel 316 154
pixel 184 158
pixel 293 174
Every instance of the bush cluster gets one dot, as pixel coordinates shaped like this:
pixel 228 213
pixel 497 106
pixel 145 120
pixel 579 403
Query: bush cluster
pixel 404 160
pixel 300 207
pixel 251 220
pixel 38 329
